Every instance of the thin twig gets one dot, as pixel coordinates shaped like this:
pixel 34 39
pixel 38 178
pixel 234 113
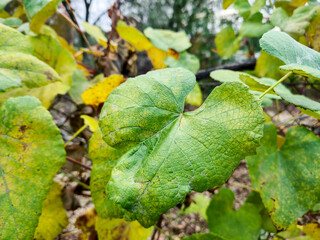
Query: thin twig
pixel 78 163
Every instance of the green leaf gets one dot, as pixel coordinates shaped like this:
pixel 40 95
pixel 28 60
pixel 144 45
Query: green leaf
pixel 306 105
pixel 53 218
pixel 267 224
pixel 245 223
pixel 254 83
pixel 203 236
pixel 94 31
pixel 168 152
pixel 31 153
pixel 282 46
pixel 104 158
pixel 195 98
pixel 119 229
pixel 302 70
pixel 227 42
pixel 256 6
pixel 38 11
pixel 243 7
pixel 18 68
pixel 186 60
pixel 11 21
pixel 297 23
pixel 199 205
pixel 165 39
pixel 254 29
pixel 287 178
pixel 80 83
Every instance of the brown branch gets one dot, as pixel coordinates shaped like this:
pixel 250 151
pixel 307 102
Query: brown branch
pixel 248 65
pixel 158 226
pixel 78 163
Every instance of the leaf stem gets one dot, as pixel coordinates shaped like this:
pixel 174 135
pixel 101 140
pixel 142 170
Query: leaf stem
pixel 76 134
pixel 276 84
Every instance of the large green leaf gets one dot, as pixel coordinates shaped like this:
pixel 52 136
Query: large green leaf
pixel 104 158
pixel 38 11
pixel 254 29
pixel 30 155
pixel 168 152
pixel 306 61
pixel 245 223
pixel 165 39
pixel 287 178
pixel 53 217
pixel 18 68
pixel 227 42
pixel 243 7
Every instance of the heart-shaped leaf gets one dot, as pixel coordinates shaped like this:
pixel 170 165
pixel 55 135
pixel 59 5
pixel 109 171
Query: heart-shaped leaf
pixel 170 153
pixel 31 153
pixel 287 177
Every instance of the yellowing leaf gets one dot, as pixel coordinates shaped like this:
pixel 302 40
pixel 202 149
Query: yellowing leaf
pixel 53 218
pixel 194 98
pixel 91 122
pixel 39 11
pixel 312 230
pixel 119 229
pixel 94 31
pixel 99 92
pixel 133 36
pixel 158 56
pixel 49 50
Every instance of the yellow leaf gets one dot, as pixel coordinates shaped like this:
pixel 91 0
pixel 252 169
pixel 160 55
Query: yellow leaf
pixel 99 92
pixel 91 122
pixel 53 218
pixel 312 230
pixel 119 229
pixel 133 36
pixel 157 56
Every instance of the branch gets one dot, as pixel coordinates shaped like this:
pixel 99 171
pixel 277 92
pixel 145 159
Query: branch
pixel 248 65
pixel 78 163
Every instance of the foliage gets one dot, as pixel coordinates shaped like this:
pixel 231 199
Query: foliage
pixel 286 193
pixel 148 151
pixel 31 154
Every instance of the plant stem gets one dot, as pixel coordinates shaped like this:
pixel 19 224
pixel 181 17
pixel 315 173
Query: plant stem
pixel 276 84
pixel 271 4
pixel 77 162
pixel 291 119
pixel 76 134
